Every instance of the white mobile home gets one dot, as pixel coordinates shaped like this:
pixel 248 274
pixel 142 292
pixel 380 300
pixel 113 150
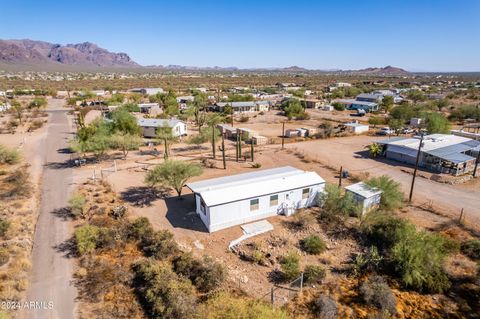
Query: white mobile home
pixel 233 200
pixel 150 126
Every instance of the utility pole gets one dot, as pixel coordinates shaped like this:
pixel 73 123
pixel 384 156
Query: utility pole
pixel 236 147
pixel 283 135
pixel 476 164
pixel 251 148
pixel 223 151
pixel 416 167
pixel 341 175
pixel 213 141
pixel 239 146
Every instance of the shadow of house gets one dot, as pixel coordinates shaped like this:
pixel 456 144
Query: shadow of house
pixel 181 213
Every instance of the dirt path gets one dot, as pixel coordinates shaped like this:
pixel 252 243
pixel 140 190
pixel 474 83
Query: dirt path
pixel 51 269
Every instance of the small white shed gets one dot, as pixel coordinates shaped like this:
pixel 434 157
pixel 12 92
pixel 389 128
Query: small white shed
pixel 233 200
pixel 368 197
pixel 357 128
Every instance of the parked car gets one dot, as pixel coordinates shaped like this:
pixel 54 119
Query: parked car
pixel 386 131
pixel 407 130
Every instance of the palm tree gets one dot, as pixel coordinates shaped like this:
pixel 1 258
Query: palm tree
pixel 165 135
pixel 212 121
pixel 375 150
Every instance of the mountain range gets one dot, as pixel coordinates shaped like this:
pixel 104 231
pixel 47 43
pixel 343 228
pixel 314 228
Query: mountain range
pixel 29 52
pixel 39 55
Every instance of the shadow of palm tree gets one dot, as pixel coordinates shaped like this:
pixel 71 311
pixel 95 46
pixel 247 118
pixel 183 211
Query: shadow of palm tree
pixel 68 248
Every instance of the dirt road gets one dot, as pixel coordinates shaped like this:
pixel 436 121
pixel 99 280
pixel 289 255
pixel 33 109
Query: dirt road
pixel 51 270
pixel 347 151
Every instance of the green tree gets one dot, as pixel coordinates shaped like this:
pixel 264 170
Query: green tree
pixel 437 123
pixel 126 142
pixel 376 120
pixel 173 174
pixel 124 123
pixel 416 96
pixel 293 108
pixel 38 102
pixel 17 109
pixel 387 103
pixel 392 196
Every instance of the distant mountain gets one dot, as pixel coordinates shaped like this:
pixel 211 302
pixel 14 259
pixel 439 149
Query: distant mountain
pixel 388 70
pixel 39 53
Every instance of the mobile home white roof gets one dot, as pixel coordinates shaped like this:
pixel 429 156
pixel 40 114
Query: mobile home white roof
pixel 233 188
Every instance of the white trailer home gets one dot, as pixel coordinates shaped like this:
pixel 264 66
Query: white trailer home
pixel 150 126
pixel 233 200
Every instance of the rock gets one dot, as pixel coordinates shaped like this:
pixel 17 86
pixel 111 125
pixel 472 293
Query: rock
pixel 244 279
pixel 198 244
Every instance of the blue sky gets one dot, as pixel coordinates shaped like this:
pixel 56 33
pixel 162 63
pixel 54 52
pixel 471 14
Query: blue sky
pixel 421 35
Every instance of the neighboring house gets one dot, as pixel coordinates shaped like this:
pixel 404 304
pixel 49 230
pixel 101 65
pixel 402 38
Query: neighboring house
pixel 150 126
pixel 416 122
pixel 357 128
pixel 440 153
pixel 365 196
pixel 228 130
pixel 233 200
pixel 469 130
pixel 184 100
pixel 147 91
pixel 150 108
pixel 312 103
pixel 244 107
pixel 369 97
pixel 351 104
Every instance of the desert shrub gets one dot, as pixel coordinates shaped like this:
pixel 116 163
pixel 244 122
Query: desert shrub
pixel 226 306
pixel 313 245
pixel 392 196
pixel 140 228
pixel 376 291
pixel 338 106
pixel 335 206
pixel 102 275
pixel 9 156
pixel 325 307
pixel 256 165
pixel 243 119
pixel 418 259
pixel 206 275
pixel 384 230
pixel 4 256
pixel 107 238
pixel 163 294
pixel 86 237
pixel 368 262
pixel 119 211
pixel 302 219
pixel 210 276
pixel 471 248
pixel 4 226
pixel 290 265
pixel 258 257
pixel 159 244
pixel 18 184
pixel 36 124
pixel 313 274
pixel 77 204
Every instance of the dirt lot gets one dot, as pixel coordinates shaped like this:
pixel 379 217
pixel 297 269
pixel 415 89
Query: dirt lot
pixel 178 215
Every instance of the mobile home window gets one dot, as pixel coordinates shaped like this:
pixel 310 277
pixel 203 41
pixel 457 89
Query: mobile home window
pixel 203 207
pixel 254 204
pixel 305 193
pixel 274 200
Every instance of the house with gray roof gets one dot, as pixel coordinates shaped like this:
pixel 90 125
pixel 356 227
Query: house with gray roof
pixel 441 153
pixel 244 107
